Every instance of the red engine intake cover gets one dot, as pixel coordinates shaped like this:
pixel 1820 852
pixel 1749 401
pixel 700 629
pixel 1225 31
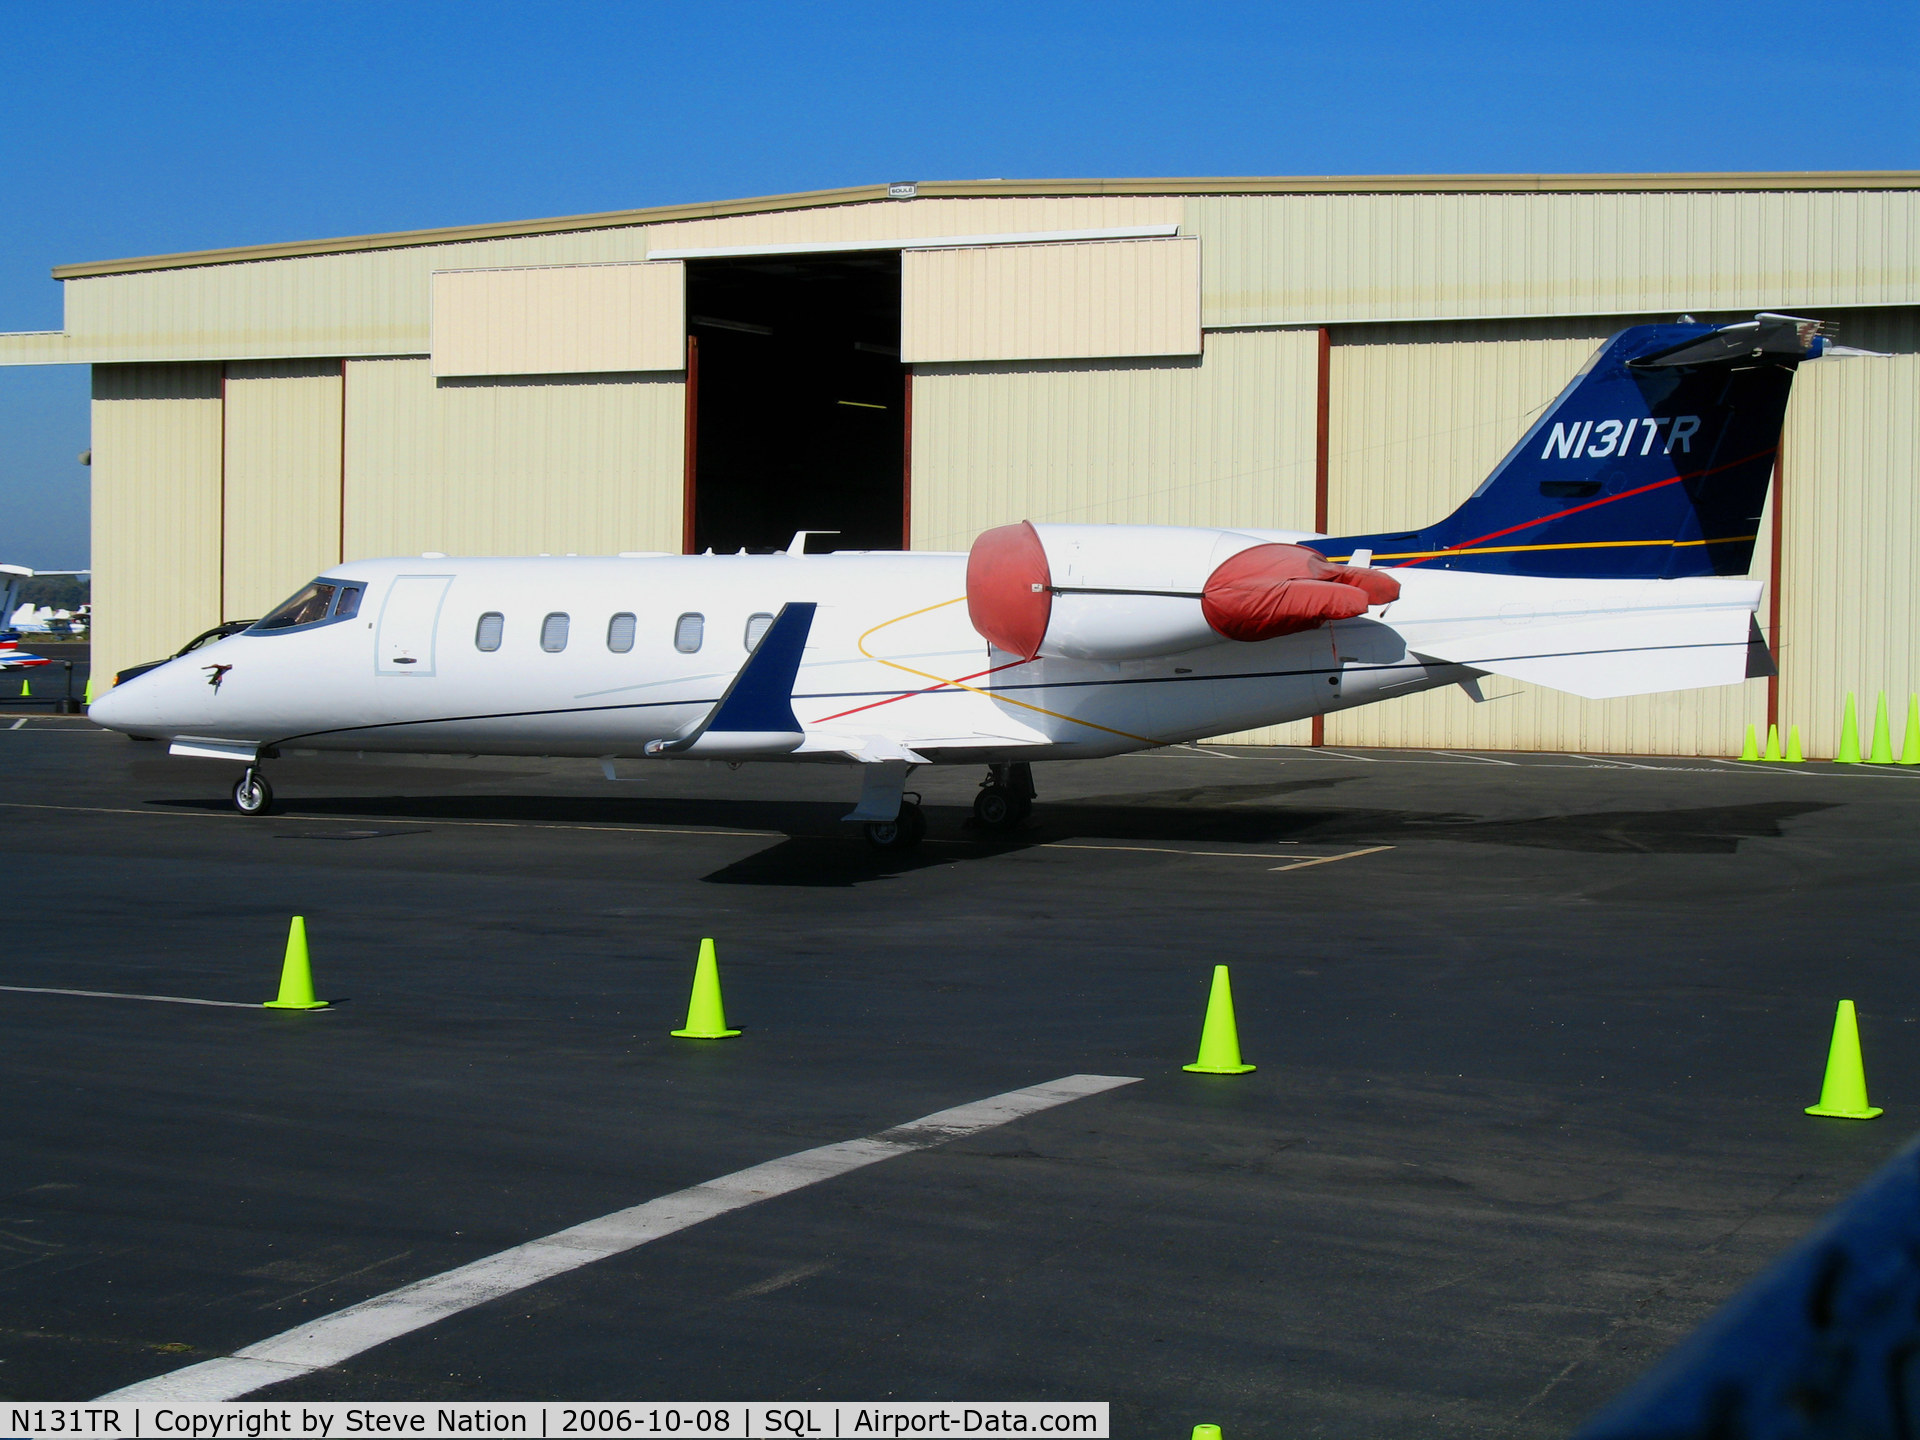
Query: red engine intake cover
pixel 1275 590
pixel 1010 589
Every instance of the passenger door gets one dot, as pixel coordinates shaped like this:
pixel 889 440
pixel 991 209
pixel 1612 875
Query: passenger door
pixel 404 642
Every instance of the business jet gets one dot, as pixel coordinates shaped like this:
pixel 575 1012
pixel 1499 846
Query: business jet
pixel 1604 556
pixel 12 657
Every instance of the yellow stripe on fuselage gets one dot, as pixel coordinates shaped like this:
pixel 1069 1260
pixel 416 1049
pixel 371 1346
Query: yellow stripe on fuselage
pixel 975 689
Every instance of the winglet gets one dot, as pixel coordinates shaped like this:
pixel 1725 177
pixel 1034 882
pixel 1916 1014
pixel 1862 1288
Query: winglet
pixel 755 716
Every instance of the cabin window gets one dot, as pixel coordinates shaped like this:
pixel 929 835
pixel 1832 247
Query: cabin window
pixel 620 633
pixel 553 633
pixel 486 635
pixel 688 632
pixel 349 605
pixel 309 607
pixel 757 627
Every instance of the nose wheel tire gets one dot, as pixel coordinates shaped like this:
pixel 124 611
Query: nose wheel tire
pixel 901 834
pixel 998 808
pixel 252 795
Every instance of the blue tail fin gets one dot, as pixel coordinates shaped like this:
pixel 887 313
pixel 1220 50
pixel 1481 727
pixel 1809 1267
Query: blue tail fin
pixel 1652 464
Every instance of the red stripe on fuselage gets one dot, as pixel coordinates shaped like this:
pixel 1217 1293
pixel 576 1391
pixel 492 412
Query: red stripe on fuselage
pixel 909 694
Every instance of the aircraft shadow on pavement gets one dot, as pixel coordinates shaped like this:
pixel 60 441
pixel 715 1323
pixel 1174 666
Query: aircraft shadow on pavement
pixel 818 850
pixel 1233 813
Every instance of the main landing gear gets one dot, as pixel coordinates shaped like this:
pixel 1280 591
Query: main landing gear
pixel 900 834
pixel 891 823
pixel 251 793
pixel 1006 797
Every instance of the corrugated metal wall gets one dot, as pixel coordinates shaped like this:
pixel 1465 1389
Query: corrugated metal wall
pixel 1315 259
pixel 1851 561
pixel 1051 302
pixel 156 510
pixel 1225 440
pixel 1419 415
pixel 511 466
pixel 282 486
pixel 560 320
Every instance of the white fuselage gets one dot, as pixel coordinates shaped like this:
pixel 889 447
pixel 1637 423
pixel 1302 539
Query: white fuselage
pixel 892 661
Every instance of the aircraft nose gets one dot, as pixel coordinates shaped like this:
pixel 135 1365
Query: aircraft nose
pixel 128 707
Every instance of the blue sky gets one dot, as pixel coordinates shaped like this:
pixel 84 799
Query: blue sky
pixel 131 129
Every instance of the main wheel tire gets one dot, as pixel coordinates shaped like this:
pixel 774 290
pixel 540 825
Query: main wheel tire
pixel 901 834
pixel 252 795
pixel 998 808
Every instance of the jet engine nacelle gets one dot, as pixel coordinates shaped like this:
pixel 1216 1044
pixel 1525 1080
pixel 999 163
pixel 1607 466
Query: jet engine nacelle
pixel 1126 592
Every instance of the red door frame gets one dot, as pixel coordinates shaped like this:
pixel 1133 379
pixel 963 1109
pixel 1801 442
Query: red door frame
pixel 906 460
pixel 692 445
pixel 1322 436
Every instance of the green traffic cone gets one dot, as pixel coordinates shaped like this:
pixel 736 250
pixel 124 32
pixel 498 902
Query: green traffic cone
pixel 1849 751
pixel 1882 752
pixel 1910 742
pixel 1219 1037
pixel 1773 744
pixel 1794 755
pixel 87 696
pixel 706 1016
pixel 1843 1094
pixel 1206 1432
pixel 1750 750
pixel 296 973
pixel 26 688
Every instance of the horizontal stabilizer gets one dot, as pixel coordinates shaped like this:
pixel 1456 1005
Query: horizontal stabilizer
pixel 755 717
pixel 1605 656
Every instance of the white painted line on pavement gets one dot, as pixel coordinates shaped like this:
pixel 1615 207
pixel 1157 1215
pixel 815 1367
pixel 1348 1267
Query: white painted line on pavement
pixel 333 1338
pixel 122 995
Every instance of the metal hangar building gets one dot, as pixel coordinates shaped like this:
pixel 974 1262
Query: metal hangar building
pixel 908 365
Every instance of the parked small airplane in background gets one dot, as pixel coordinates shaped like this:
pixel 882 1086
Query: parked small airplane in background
pixel 12 657
pixel 1598 558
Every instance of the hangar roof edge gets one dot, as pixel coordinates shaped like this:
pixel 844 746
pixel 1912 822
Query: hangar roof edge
pixel 997 189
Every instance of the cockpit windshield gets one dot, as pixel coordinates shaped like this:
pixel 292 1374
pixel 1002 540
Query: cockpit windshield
pixel 309 607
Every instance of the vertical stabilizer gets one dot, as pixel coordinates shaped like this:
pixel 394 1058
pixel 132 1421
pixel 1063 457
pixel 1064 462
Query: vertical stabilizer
pixel 1652 464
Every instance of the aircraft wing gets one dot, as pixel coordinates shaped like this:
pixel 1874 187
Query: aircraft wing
pixel 754 719
pixel 876 749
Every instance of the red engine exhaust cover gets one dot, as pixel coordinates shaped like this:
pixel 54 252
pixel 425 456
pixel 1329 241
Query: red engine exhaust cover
pixel 1275 590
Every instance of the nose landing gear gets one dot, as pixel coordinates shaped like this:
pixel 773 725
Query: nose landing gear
pixel 252 795
pixel 1006 797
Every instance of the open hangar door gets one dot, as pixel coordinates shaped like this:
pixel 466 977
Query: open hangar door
pixel 797 402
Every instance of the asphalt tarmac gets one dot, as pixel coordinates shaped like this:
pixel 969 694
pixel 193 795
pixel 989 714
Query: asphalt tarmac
pixel 1533 1046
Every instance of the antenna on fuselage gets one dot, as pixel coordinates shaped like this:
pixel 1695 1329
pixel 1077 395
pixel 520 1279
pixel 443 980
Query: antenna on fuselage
pixel 798 546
